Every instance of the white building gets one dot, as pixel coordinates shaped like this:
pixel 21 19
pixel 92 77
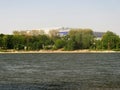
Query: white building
pixel 63 31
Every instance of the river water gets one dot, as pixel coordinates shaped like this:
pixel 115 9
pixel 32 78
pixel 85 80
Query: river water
pixel 60 71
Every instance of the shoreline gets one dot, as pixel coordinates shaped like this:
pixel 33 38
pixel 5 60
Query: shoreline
pixel 60 51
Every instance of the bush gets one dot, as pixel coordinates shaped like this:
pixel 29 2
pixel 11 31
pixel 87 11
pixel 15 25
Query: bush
pixel 59 43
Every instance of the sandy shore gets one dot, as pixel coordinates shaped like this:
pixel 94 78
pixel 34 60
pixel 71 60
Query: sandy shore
pixel 59 51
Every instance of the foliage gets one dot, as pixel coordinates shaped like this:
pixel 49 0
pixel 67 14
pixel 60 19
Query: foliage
pixel 76 39
pixel 82 38
pixel 110 40
pixel 59 43
pixel 70 45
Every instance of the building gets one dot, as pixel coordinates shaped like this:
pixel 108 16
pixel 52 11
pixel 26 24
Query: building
pixel 63 31
pixel 98 35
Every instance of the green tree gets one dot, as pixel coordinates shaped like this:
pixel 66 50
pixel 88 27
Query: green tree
pixel 110 40
pixel 18 42
pixel 59 43
pixel 1 41
pixel 70 45
pixel 82 37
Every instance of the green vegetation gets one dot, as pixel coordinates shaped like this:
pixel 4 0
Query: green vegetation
pixel 109 41
pixel 76 39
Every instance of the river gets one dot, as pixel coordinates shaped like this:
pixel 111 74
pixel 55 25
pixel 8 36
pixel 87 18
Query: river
pixel 60 71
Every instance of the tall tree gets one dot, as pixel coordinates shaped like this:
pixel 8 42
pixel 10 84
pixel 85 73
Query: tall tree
pixel 82 37
pixel 110 40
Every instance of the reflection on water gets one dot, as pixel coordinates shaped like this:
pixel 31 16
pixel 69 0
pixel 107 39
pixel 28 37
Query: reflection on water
pixel 60 71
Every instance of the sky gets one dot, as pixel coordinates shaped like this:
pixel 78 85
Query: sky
pixel 98 15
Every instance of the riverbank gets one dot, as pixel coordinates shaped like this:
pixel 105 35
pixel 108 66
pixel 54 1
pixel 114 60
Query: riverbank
pixel 60 51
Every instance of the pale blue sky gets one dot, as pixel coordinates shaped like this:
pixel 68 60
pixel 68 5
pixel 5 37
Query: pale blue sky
pixel 99 15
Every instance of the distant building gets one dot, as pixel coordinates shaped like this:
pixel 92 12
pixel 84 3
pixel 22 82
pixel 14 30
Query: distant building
pixel 98 35
pixel 63 31
pixel 29 32
pixel 54 31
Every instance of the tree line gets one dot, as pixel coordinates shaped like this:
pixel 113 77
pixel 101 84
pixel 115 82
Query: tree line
pixel 74 40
